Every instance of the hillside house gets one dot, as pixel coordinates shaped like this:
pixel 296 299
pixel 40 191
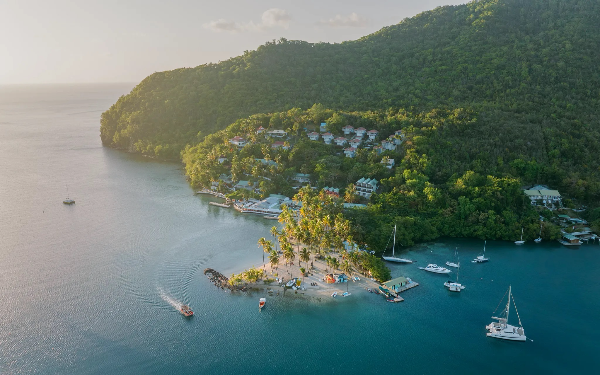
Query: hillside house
pixel 238 141
pixel 365 187
pixel 260 130
pixel 372 134
pixel 328 137
pixel 360 132
pixel 313 136
pixel 355 142
pixel 222 159
pixel 348 130
pixel 279 145
pixel 301 178
pixel 388 145
pixel 389 163
pixel 378 149
pixel 332 191
pixel 277 133
pixel 350 152
pixel 340 141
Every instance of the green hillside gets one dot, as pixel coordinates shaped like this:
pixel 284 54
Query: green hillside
pixel 525 71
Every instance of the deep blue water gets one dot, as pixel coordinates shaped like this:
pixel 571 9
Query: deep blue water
pixel 85 289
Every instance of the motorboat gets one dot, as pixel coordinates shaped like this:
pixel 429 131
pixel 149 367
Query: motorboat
pixel 185 310
pixel 261 303
pixel 435 268
pixel 455 265
pixel 393 258
pixel 520 242
pixel 481 258
pixel 334 294
pixel 356 278
pixel 346 294
pixel 501 329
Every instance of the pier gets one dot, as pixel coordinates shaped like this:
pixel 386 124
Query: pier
pixel 224 205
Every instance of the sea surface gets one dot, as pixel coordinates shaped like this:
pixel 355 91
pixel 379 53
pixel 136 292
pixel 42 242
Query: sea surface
pixel 93 288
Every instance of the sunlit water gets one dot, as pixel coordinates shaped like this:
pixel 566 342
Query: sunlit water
pixel 94 288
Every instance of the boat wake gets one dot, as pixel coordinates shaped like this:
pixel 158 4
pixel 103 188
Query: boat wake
pixel 173 302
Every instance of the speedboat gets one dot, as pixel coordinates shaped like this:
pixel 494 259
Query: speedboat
pixel 455 265
pixel 503 330
pixel 334 294
pixel 261 303
pixel 435 268
pixel 185 310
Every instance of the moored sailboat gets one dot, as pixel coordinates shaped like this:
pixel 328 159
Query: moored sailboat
pixel 520 242
pixel 539 239
pixel 481 258
pixel 393 258
pixel 503 330
pixel 452 264
pixel 454 286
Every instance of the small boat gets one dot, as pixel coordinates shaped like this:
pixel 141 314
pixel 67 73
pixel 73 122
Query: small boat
pixel 454 286
pixel 452 264
pixel 503 330
pixel 481 258
pixel 393 258
pixel 395 299
pixel 291 283
pixel 69 201
pixel 539 239
pixel 261 303
pixel 520 242
pixel 435 268
pixel 185 310
pixel 346 294
pixel 271 217
pixel 334 294
pixel 356 278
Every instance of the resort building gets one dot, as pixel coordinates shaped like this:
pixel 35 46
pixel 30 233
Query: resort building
pixel 313 136
pixel 340 141
pixel 277 133
pixel 388 145
pixel 238 141
pixel 350 152
pixel 301 178
pixel 544 195
pixel 389 163
pixel 268 206
pixel 360 132
pixel 242 185
pixel 365 187
pixel 260 130
pixel 355 142
pixel 332 191
pixel 372 134
pixel 348 129
pixel 328 137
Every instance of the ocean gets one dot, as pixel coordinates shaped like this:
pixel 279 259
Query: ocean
pixel 92 288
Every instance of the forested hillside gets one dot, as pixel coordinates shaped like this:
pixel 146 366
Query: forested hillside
pixel 525 72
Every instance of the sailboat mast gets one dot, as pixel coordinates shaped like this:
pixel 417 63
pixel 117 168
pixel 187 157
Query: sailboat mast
pixel 508 303
pixel 394 246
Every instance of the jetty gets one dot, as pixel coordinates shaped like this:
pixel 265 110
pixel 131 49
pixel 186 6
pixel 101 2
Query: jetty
pixel 224 205
pixel 222 281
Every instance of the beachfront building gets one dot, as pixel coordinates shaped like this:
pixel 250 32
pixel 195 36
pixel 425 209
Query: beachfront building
pixel 389 163
pixel 260 130
pixel 267 206
pixel 350 152
pixel 242 185
pixel 340 141
pixel 372 134
pixel 360 132
pixel 238 141
pixel 544 195
pixel 397 284
pixel 328 137
pixel 348 130
pixel 365 187
pixel 313 136
pixel 277 133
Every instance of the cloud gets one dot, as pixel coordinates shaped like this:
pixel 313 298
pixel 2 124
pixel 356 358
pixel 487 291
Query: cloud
pixel 351 20
pixel 270 18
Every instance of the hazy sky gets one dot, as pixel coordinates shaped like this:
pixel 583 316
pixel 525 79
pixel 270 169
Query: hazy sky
pixel 67 41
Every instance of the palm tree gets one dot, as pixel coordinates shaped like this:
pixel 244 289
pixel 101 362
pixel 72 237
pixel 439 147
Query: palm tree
pixel 266 245
pixel 288 253
pixel 335 263
pixel 275 233
pixel 304 256
pixel 347 267
pixel 274 258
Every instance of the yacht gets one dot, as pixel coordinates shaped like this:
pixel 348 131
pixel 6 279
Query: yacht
pixel 520 242
pixel 435 268
pixel 393 258
pixel 481 258
pixel 503 330
pixel 185 310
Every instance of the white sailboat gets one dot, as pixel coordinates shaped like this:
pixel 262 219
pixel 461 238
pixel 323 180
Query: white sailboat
pixel 393 258
pixel 503 330
pixel 68 200
pixel 520 242
pixel 539 239
pixel 452 264
pixel 481 258
pixel 454 286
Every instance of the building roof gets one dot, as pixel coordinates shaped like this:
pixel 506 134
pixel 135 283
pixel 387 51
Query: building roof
pixel 348 127
pixel 313 133
pixel 327 135
pixel 361 128
pixel 396 281
pixel 372 182
pixel 350 149
pixel 550 193
pixel 373 131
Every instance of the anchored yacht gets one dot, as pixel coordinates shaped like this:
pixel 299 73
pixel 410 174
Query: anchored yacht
pixel 503 330
pixel 435 269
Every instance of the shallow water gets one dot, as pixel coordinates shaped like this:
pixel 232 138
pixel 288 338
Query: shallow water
pixel 92 288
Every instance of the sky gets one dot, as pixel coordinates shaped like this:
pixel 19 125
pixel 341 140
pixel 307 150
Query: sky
pixel 89 41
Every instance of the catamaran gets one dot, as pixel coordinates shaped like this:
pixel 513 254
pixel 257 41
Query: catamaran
pixel 393 258
pixel 454 286
pixel 435 268
pixel 520 242
pixel 481 258
pixel 503 330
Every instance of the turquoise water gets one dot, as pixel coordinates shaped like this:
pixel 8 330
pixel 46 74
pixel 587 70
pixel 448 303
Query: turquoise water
pixel 88 289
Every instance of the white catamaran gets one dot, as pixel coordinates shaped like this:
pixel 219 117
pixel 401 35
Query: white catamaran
pixel 393 258
pixel 503 330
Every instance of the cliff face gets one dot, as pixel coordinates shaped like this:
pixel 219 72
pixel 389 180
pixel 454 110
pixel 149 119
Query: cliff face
pixel 535 59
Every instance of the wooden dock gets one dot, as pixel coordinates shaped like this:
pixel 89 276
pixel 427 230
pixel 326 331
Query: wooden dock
pixel 224 205
pixel 408 286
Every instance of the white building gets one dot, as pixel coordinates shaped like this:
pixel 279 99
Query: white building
pixel 260 130
pixel 328 137
pixel 365 187
pixel 313 136
pixel 372 134
pixel 277 133
pixel 238 141
pixel 360 132
pixel 348 129
pixel 388 145
pixel 545 195
pixel 389 163
pixel 350 152
pixel 340 141
pixel 301 178
pixel 355 142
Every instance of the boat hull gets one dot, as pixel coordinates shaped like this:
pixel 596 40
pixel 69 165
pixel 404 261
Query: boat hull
pixel 519 242
pixel 397 260
pixel 509 332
